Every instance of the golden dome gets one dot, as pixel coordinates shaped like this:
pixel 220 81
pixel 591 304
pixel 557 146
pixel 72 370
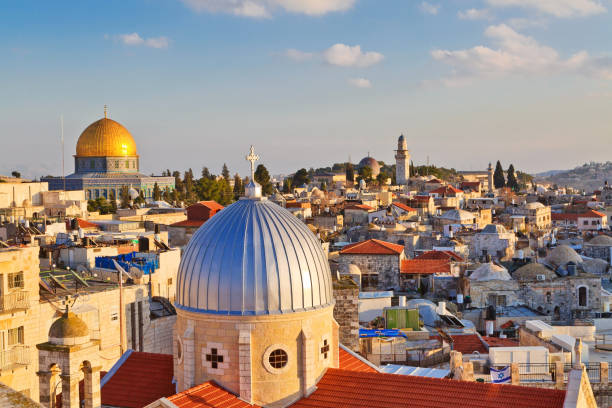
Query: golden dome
pixel 105 137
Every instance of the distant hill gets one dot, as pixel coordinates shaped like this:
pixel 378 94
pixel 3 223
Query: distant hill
pixel 588 177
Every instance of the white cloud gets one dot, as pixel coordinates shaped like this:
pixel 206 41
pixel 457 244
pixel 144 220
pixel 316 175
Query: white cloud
pixel 131 39
pixel 298 55
pixel 474 14
pixel 516 54
pixel 346 56
pixel 360 82
pixel 557 8
pixel 430 8
pixel 134 39
pixel 523 23
pixel 265 8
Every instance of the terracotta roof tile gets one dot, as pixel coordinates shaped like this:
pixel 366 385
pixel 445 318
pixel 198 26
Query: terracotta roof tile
pixel 207 395
pixel 86 224
pixel 499 342
pixel 435 254
pixel 404 207
pixel 352 363
pixel 188 223
pixel 424 266
pixel 212 205
pixel 373 247
pixel 140 380
pixel 468 343
pixel 343 388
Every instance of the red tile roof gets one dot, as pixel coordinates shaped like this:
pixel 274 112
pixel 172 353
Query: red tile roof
pixel 188 223
pixel 140 380
pixel 207 395
pixel 358 207
pixel 507 325
pixel 435 254
pixel 468 343
pixel 212 205
pixel 404 207
pixel 343 388
pixel 352 363
pixel 446 190
pixel 86 224
pixel 469 184
pixel 295 204
pixel 424 266
pixel 421 198
pixel 499 342
pixel 373 247
pixel 575 216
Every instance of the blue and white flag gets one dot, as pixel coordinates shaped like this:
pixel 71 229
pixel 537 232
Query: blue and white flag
pixel 501 376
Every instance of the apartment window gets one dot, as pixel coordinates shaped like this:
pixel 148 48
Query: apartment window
pixel 15 336
pixel 585 222
pixel 15 280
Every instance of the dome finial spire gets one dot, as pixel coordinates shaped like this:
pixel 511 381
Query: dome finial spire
pixel 105 112
pixel 253 189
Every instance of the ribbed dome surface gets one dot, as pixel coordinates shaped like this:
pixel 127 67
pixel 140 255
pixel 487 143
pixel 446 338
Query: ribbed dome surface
pixel 371 163
pixel 254 257
pixel 105 137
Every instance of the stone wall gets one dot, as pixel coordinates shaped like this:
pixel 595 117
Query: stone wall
pixel 346 313
pixel 597 251
pixel 479 292
pixel 385 266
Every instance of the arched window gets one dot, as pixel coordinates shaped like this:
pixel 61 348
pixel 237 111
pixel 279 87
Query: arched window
pixel 583 292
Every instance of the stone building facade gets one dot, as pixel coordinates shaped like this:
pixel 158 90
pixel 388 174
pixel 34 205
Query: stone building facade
pixel 378 261
pixel 494 240
pixel 346 312
pixel 25 321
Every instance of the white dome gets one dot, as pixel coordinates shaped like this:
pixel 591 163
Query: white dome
pixel 490 271
pixel 253 258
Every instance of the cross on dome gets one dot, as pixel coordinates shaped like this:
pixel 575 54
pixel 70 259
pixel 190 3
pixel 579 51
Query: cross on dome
pixel 252 158
pixel 105 111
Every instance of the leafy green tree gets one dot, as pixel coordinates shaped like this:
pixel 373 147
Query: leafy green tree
pixel 512 181
pixel 112 200
pixel 124 197
pixel 263 178
pixel 498 176
pixel 101 205
pixel 382 178
pixel 178 183
pixel 189 187
pixel 300 177
pixel 287 185
pixel 205 173
pixel 225 173
pixel 238 187
pixel 323 186
pixel 16 174
pixel 365 173
pixel 156 192
pixel 350 172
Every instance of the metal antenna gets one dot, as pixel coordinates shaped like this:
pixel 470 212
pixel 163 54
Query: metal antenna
pixel 62 133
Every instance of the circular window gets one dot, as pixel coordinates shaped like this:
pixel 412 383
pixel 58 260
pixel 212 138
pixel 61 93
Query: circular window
pixel 278 358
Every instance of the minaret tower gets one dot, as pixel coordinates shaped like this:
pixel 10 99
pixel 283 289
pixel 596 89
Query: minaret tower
pixel 402 162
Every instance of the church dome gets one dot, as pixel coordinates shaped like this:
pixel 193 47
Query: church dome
pixel 253 258
pixel 371 163
pixel 69 329
pixel 105 137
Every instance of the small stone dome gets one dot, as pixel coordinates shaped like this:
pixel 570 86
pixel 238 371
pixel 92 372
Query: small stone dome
pixel 69 329
pixel 371 163
pixel 530 272
pixel 26 203
pixel 595 266
pixel 561 255
pixel 349 269
pixel 601 240
pixel 490 271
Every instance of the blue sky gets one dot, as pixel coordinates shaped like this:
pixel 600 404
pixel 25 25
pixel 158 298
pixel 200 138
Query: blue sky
pixel 310 82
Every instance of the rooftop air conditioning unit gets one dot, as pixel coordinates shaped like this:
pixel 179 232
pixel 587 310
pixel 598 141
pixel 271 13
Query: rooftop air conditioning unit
pixel 540 277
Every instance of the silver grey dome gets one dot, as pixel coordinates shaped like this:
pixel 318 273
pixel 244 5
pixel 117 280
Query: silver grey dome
pixel 253 257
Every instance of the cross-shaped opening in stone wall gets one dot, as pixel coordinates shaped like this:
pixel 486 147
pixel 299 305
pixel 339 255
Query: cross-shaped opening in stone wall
pixel 214 358
pixel 325 349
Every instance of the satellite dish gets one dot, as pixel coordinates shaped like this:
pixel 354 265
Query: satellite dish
pixel 135 272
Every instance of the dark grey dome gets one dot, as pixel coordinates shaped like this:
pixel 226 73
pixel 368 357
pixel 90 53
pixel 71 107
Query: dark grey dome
pixel 254 257
pixel 371 163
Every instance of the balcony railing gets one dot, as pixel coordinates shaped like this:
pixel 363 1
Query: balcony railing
pixel 14 301
pixel 16 355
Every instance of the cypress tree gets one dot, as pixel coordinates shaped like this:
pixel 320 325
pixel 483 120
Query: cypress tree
pixel 512 181
pixel 498 176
